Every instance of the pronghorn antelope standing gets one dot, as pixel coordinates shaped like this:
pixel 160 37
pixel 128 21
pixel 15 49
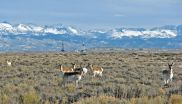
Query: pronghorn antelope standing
pixel 72 76
pixel 95 70
pixel 8 63
pixel 168 74
pixel 66 69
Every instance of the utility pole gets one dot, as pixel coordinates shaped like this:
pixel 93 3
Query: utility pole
pixel 62 47
pixel 83 45
pixel 83 49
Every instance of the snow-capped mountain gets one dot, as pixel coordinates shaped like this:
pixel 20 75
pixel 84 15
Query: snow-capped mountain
pixel 31 37
pixel 36 29
pixel 160 32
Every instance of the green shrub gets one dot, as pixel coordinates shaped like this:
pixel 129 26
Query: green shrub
pixel 4 99
pixel 31 98
pixel 70 88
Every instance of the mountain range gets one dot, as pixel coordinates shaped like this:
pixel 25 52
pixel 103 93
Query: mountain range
pixel 32 37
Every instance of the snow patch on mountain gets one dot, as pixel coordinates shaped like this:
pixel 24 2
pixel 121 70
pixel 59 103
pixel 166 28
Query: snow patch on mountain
pixel 37 29
pixel 5 26
pixel 74 31
pixel 115 34
pixel 23 28
pixel 54 31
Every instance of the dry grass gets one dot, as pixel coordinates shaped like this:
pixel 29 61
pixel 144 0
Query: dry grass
pixel 132 77
pixel 102 99
pixel 176 99
pixel 147 100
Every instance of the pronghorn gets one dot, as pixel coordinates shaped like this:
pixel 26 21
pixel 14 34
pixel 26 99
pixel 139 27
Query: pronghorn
pixel 72 76
pixel 168 74
pixel 81 68
pixel 8 63
pixel 95 70
pixel 67 69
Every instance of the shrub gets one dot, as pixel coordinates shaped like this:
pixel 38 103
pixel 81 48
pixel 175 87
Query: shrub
pixel 4 99
pixel 70 88
pixel 30 98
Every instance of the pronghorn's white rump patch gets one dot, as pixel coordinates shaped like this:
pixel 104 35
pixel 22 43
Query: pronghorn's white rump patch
pixel 9 63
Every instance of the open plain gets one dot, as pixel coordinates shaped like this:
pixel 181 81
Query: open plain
pixel 129 77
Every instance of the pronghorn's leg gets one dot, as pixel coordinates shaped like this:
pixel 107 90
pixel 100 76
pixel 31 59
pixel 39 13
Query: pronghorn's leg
pixel 100 74
pixel 72 69
pixel 94 74
pixel 167 81
pixel 76 83
pixel 64 81
pixel 171 79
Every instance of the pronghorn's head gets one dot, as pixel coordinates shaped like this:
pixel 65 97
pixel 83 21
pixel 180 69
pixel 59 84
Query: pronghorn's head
pixel 89 65
pixel 81 65
pixel 73 65
pixel 170 65
pixel 60 65
pixel 82 71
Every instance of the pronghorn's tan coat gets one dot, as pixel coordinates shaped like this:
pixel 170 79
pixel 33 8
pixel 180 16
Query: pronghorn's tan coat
pixel 67 69
pixel 95 70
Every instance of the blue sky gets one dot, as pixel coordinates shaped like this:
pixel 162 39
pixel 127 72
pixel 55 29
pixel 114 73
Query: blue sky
pixel 91 14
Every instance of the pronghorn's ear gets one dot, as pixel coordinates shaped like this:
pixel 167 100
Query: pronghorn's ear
pixel 84 65
pixel 72 63
pixel 92 64
pixel 59 65
pixel 89 64
pixel 172 63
